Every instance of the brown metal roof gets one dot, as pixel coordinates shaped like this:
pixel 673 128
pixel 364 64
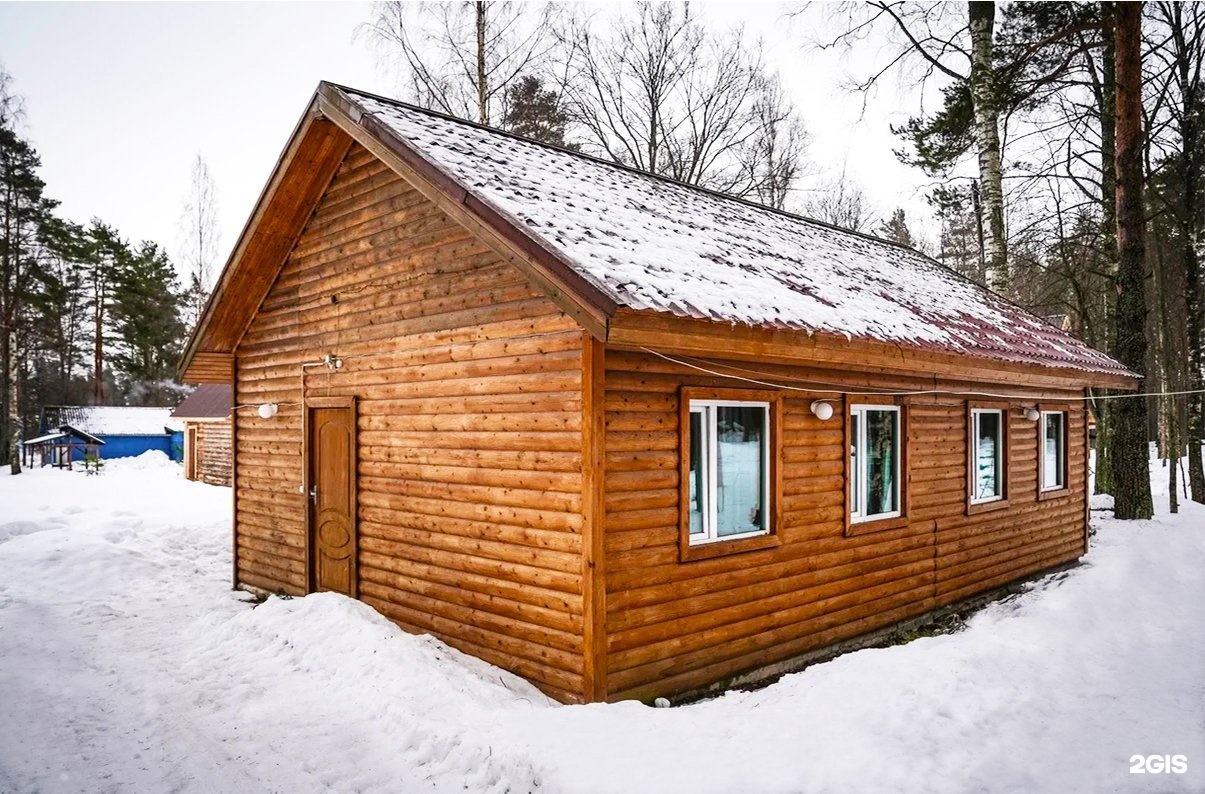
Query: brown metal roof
pixel 208 401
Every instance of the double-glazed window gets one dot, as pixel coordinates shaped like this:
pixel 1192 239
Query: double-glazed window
pixel 874 462
pixel 1053 455
pixel 728 450
pixel 988 455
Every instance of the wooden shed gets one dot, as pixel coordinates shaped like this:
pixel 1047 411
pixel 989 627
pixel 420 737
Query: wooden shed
pixel 619 435
pixel 124 431
pixel 205 414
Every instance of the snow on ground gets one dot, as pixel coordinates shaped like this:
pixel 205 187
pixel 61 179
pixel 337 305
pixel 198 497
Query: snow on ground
pixel 127 664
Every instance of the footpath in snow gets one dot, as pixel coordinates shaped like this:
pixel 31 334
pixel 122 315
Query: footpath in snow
pixel 128 664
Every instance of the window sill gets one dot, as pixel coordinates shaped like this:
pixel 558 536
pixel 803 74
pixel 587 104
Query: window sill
pixel 1053 494
pixel 722 548
pixel 974 508
pixel 881 525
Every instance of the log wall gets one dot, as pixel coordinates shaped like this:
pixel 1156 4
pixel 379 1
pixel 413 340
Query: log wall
pixel 674 626
pixel 214 462
pixel 468 384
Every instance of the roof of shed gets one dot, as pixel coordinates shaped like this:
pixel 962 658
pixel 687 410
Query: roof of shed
pixel 653 244
pixel 207 401
pixel 109 420
pixel 66 431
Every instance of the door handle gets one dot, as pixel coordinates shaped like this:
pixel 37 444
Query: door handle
pixel 314 494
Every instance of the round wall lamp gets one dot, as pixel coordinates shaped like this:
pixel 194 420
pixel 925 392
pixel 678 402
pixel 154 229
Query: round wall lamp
pixel 1033 414
pixel 267 410
pixel 822 410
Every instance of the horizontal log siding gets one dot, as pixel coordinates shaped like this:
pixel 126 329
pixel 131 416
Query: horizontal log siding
pixel 675 626
pixel 986 550
pixel 214 452
pixel 469 432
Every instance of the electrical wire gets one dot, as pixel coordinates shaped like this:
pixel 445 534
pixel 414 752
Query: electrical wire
pixel 917 392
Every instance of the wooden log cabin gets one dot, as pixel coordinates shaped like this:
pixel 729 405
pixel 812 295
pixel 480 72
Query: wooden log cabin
pixel 624 437
pixel 208 438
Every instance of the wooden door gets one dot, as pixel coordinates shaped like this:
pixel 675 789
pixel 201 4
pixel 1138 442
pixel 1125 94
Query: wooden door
pixel 330 465
pixel 190 453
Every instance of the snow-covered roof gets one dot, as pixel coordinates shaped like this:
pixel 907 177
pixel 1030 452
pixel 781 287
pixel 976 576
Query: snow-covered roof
pixel 44 439
pixel 64 432
pixel 110 420
pixel 652 244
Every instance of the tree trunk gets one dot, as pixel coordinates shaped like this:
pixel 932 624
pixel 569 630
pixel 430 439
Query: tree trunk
pixel 1191 263
pixel 1107 98
pixel 483 94
pixel 14 407
pixel 987 139
pixel 1130 449
pixel 98 352
pixel 6 367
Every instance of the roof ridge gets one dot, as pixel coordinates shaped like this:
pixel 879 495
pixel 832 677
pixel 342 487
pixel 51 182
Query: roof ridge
pixel 632 169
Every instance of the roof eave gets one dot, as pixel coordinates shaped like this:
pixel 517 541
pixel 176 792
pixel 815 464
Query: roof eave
pixel 667 333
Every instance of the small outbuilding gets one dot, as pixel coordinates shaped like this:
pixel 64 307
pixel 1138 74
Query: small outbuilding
pixel 124 431
pixel 620 435
pixel 205 415
pixel 60 447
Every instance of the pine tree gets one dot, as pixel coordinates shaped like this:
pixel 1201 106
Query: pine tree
pixel 535 112
pixel 896 229
pixel 106 252
pixel 1130 452
pixel 23 211
pixel 149 333
pixel 62 307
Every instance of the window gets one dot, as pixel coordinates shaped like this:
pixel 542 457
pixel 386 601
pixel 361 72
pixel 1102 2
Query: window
pixel 988 455
pixel 874 462
pixel 1054 450
pixel 728 449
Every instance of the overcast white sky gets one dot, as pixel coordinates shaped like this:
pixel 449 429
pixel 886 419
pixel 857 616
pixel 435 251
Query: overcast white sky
pixel 121 97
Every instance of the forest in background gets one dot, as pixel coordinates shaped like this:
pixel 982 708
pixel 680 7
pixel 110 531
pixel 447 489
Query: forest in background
pixel 1054 179
pixel 87 317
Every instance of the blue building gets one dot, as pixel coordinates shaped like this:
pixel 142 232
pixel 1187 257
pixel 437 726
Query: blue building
pixel 125 432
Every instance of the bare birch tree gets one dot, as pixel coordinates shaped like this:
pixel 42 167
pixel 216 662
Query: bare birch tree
pixel 199 230
pixel 952 43
pixel 460 58
pixel 839 201
pixel 775 160
pixel 982 83
pixel 661 92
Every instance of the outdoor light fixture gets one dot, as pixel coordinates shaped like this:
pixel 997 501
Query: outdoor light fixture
pixel 822 410
pixel 1033 414
pixel 267 410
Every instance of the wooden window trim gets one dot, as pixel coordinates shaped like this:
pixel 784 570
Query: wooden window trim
pixel 721 548
pixel 973 507
pixel 1065 410
pixel 853 528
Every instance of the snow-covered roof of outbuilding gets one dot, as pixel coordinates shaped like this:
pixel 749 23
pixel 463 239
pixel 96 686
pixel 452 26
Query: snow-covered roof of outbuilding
pixel 110 420
pixel 653 244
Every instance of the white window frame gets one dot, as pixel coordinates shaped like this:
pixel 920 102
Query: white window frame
pixel 710 458
pixel 857 480
pixel 1001 455
pixel 1061 460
